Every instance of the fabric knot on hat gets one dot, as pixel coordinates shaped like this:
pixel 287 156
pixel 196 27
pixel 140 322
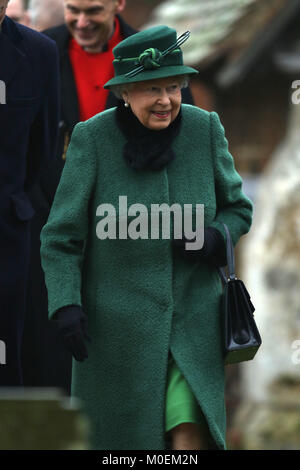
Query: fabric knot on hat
pixel 148 55
pixel 150 58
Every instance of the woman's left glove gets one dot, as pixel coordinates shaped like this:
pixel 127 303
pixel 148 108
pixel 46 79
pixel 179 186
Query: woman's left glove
pixel 72 325
pixel 213 249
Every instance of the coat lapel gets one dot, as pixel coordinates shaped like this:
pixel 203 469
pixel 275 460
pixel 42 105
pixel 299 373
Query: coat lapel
pixel 70 99
pixel 10 53
pixel 70 105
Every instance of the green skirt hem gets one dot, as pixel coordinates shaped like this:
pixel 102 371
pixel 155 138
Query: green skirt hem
pixel 181 404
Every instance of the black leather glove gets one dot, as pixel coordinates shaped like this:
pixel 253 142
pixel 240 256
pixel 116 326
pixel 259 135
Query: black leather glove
pixel 213 249
pixel 72 323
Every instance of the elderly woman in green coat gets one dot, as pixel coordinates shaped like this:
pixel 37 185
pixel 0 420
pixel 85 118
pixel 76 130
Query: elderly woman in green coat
pixel 140 310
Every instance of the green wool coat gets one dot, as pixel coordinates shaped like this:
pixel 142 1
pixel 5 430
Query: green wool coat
pixel 140 297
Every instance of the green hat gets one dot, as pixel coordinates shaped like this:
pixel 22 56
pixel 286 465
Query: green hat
pixel 147 55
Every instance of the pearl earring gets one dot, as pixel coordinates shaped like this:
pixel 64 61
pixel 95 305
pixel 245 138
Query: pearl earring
pixel 126 104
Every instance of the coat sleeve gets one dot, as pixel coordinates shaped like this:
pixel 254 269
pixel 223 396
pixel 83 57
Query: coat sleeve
pixel 234 208
pixel 64 235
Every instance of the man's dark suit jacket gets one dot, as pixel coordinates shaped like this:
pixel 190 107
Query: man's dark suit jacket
pixel 28 138
pixel 58 363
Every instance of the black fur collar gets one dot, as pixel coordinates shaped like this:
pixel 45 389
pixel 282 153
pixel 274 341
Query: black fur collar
pixel 146 148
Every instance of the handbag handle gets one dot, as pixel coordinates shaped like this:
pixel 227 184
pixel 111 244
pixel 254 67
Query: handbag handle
pixel 229 257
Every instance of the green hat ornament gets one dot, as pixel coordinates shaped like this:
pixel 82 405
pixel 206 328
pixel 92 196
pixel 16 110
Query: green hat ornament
pixel 149 54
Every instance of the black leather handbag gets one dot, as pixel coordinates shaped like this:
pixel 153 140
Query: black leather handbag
pixel 241 338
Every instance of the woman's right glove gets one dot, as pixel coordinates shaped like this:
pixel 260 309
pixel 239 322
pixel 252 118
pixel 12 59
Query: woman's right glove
pixel 72 324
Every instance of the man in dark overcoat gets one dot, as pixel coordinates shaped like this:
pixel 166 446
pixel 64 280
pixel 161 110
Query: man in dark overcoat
pixel 29 116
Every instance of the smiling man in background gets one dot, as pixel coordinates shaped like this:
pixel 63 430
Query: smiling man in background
pixel 93 26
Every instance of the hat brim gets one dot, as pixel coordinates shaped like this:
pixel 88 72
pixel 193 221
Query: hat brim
pixel 162 72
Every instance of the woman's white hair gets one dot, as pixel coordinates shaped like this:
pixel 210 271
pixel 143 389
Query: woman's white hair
pixel 118 90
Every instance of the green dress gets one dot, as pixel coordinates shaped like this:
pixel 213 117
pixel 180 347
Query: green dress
pixel 181 404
